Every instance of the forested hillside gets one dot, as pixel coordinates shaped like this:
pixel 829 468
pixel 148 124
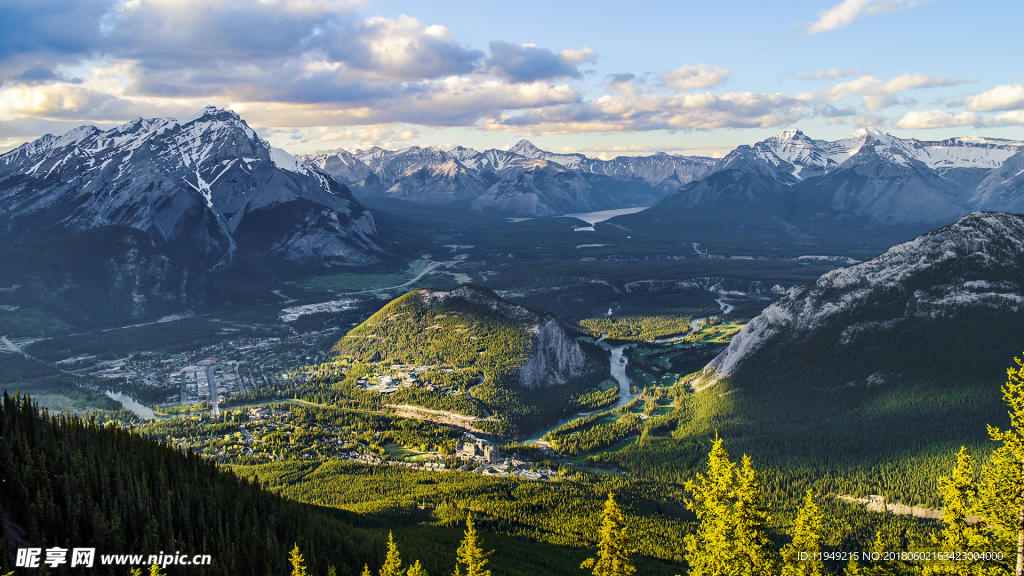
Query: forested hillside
pixel 516 362
pixel 70 483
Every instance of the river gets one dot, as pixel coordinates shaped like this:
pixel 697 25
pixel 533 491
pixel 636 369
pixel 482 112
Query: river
pixel 618 363
pixel 132 404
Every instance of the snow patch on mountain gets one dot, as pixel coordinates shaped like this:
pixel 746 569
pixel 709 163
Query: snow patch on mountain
pixel 937 275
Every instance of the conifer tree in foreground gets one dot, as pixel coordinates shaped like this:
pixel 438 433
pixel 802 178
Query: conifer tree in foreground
pixel 853 568
pixel 960 500
pixel 1002 490
pixel 732 536
pixel 416 570
pixel 392 563
pixel 470 554
pixel 806 540
pixel 296 559
pixel 613 549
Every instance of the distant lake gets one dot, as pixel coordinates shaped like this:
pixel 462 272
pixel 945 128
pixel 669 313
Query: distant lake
pixel 602 215
pixel 132 404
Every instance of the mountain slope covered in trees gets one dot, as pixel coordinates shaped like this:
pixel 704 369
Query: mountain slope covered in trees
pixel 70 483
pixel 869 379
pixel 514 355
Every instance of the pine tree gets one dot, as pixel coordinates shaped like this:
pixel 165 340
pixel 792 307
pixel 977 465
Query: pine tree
pixel 806 540
pixel 470 554
pixel 154 570
pixel 366 571
pixel 708 552
pixel 298 568
pixel 960 500
pixel 331 571
pixel 1002 492
pixel 613 548
pixel 752 519
pixel 853 568
pixel 417 570
pixel 732 537
pixel 392 563
pixel 885 541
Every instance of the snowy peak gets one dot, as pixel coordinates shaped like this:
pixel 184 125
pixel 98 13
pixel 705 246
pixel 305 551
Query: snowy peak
pixel 194 186
pixel 526 149
pixel 870 132
pixel 209 113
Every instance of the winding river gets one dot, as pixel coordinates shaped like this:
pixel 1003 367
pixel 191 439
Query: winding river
pixel 618 363
pixel 132 404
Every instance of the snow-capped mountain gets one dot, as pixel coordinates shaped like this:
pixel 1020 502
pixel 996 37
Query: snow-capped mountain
pixel 542 187
pixel 436 176
pixel 795 186
pixel 925 297
pixel 208 190
pixel 799 157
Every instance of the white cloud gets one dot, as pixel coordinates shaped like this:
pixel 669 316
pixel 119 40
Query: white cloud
pixel 833 74
pixel 692 76
pixel 1005 97
pixel 1012 118
pixel 844 13
pixel 878 94
pixel 652 111
pixel 923 119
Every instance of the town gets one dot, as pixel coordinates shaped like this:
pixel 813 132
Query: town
pixel 292 431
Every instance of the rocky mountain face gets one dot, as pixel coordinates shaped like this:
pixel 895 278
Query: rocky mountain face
pixel 524 180
pixel 112 275
pixel 796 185
pixel 554 357
pixel 208 190
pixel 944 303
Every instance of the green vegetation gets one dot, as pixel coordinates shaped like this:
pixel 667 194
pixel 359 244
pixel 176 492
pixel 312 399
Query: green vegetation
pixel 732 537
pixel 613 548
pixel 645 328
pixel 450 334
pixel 77 483
pixel 470 554
pixel 469 348
pixel 606 394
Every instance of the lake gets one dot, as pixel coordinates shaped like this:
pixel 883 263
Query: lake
pixel 601 215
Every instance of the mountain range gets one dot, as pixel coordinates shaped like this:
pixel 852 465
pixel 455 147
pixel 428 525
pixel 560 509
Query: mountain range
pixel 208 190
pixel 523 180
pixel 211 193
pixel 796 187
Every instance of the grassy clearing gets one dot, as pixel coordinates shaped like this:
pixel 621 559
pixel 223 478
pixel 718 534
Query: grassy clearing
pixel 398 451
pixel 616 447
pixel 719 333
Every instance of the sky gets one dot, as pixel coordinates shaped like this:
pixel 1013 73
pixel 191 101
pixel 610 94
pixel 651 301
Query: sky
pixel 598 77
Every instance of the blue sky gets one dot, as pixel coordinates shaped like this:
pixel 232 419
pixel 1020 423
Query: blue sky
pixel 602 78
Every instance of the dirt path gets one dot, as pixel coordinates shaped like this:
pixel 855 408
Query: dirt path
pixel 438 417
pixel 879 504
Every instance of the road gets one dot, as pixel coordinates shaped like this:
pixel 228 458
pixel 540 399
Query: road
pixel 9 345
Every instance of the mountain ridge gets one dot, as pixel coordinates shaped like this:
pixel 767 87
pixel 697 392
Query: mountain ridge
pixel 415 174
pixel 208 190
